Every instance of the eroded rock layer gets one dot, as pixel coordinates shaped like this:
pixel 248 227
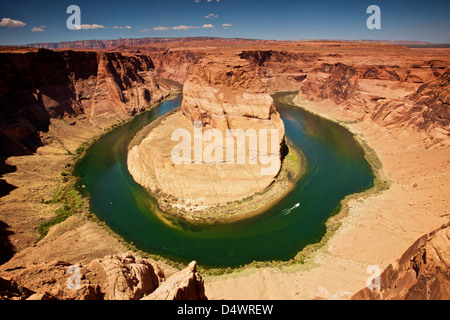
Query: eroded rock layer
pixel 100 87
pixel 422 272
pixel 223 94
pixel 118 277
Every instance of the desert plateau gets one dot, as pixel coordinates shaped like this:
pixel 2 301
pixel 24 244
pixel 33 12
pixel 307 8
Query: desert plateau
pixel 223 167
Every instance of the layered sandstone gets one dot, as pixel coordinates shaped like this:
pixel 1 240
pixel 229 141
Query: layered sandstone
pixel 223 94
pixel 378 229
pixel 422 272
pixel 99 87
pixel 413 97
pixel 186 284
pixel 118 277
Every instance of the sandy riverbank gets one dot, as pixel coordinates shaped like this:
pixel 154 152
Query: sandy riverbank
pixel 376 230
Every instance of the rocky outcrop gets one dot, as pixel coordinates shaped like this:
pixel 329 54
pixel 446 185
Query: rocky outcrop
pixel 227 94
pixel 176 64
pixel 184 285
pixel 427 109
pixel 422 273
pixel 10 290
pixel 397 96
pixel 101 87
pixel 125 277
pixel 339 86
pixel 223 94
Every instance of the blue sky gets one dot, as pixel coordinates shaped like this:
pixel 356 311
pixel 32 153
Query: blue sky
pixel 262 19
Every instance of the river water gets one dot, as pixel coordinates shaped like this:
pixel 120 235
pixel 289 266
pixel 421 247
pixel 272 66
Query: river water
pixel 336 167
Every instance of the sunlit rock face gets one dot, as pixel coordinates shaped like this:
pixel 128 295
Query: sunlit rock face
pixel 228 116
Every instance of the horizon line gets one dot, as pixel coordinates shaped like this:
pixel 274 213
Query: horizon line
pixel 418 42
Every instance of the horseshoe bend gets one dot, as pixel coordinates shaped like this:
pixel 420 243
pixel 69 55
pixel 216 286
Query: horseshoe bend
pixel 242 159
pixel 199 168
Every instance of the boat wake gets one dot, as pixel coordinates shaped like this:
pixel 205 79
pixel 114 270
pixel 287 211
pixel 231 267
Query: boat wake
pixel 285 212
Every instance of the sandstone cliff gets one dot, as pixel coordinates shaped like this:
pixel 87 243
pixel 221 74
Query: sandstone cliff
pixel 222 93
pixel 55 101
pixel 100 87
pixel 422 272
pixel 415 98
pixel 427 109
pixel 176 64
pixel 227 94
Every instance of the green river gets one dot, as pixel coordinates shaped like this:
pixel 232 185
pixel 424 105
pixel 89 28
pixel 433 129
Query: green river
pixel 336 167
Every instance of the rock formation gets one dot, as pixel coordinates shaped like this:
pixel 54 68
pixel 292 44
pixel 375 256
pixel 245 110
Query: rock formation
pixel 427 109
pixel 422 273
pixel 393 96
pixel 223 94
pixel 101 87
pixel 125 277
pixel 184 285
pixel 74 93
pixel 339 86
pixel 227 94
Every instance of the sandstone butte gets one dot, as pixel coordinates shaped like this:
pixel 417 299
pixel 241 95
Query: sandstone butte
pixel 222 93
pixel 395 99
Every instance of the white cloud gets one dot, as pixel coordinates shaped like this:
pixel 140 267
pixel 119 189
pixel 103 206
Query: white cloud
pixel 10 23
pixel 183 27
pixel 161 28
pixel 211 16
pixel 90 26
pixel 38 29
pixel 125 27
pixel 226 25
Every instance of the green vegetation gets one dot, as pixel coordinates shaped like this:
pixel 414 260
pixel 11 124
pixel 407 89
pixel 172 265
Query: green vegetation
pixel 66 196
pixel 70 202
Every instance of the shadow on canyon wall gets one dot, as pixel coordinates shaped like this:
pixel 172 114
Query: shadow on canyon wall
pixel 5 187
pixel 6 247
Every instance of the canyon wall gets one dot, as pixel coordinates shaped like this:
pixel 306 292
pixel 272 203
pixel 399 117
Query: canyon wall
pixel 390 85
pixel 99 87
pixel 176 64
pixel 141 43
pixel 387 95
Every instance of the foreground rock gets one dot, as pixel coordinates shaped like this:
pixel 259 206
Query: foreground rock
pixel 125 277
pixel 184 285
pixel 422 273
pixel 222 94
